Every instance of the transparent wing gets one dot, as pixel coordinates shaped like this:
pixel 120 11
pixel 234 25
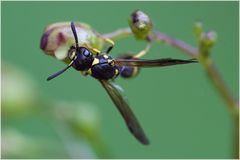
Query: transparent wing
pixel 131 121
pixel 152 63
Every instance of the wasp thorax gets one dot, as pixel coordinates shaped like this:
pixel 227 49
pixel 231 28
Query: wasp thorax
pixel 140 24
pixel 103 68
pixel 83 59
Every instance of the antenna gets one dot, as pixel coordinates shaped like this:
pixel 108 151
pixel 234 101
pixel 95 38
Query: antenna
pixel 57 74
pixel 70 64
pixel 74 33
pixel 60 72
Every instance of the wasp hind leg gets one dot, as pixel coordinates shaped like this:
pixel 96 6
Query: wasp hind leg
pixel 143 52
pixel 107 40
pixel 111 42
pixel 95 50
pixel 130 71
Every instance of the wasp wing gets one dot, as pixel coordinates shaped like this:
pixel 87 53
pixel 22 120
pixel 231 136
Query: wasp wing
pixel 131 121
pixel 152 63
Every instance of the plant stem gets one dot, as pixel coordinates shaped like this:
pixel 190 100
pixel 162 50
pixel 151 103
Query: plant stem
pixel 224 92
pixel 118 34
pixel 219 84
pixel 158 37
pixel 190 51
pixel 236 135
pixel 206 62
pixel 214 77
pixel 179 44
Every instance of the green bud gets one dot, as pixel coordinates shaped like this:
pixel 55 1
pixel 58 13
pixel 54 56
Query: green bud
pixel 209 39
pixel 140 24
pixel 57 38
pixel 198 29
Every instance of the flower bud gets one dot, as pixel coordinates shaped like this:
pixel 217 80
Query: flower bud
pixel 198 29
pixel 209 38
pixel 140 24
pixel 58 37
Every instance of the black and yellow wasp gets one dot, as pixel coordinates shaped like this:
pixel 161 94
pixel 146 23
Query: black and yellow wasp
pixel 104 68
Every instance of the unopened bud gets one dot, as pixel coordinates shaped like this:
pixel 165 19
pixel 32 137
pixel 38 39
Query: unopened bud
pixel 140 24
pixel 209 38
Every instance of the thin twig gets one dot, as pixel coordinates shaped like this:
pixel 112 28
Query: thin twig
pixel 189 50
pixel 215 78
pixel 186 48
pixel 206 62
pixel 219 85
pixel 120 33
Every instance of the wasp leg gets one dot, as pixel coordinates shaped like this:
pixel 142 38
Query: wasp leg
pixel 108 40
pixel 95 50
pixel 86 73
pixel 143 52
pixel 110 47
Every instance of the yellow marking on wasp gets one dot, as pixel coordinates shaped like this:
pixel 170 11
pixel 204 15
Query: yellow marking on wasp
pixel 135 71
pixel 72 55
pixel 105 56
pixel 95 61
pixel 85 73
pixel 89 71
pixel 116 72
pixel 111 62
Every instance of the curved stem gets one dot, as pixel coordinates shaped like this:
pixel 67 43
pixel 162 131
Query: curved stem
pixel 118 34
pixel 179 44
pixel 190 51
pixel 219 84
pixel 214 77
pixel 206 62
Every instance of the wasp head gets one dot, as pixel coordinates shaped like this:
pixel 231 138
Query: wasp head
pixel 82 58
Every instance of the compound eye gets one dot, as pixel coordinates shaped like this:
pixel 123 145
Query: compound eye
pixel 85 52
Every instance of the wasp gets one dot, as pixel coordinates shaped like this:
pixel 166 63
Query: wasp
pixel 83 57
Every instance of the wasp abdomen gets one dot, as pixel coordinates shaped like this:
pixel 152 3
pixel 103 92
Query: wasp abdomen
pixel 127 71
pixel 104 71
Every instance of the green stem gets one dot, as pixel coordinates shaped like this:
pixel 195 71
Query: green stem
pixel 118 34
pixel 189 50
pixel 179 44
pixel 206 62
pixel 214 77
pixel 236 135
pixel 219 84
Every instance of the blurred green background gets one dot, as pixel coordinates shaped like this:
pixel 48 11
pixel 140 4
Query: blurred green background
pixel 73 117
